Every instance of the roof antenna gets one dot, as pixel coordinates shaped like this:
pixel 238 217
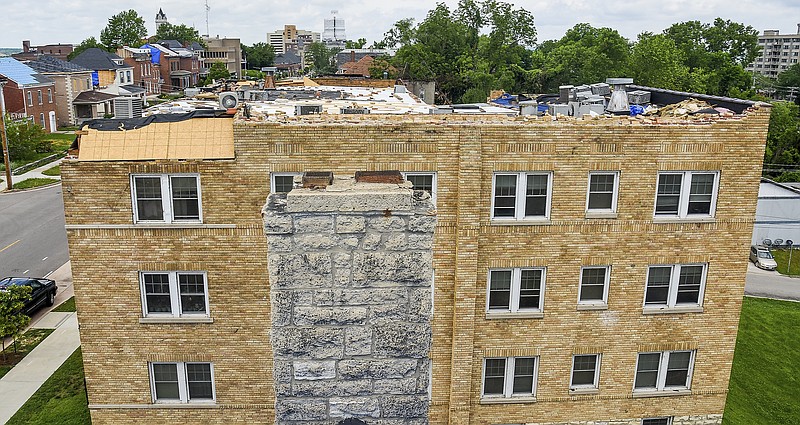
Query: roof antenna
pixel 207 10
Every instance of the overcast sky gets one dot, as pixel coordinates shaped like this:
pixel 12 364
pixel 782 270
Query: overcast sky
pixel 70 21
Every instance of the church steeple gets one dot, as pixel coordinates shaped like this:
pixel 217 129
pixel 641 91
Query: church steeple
pixel 161 18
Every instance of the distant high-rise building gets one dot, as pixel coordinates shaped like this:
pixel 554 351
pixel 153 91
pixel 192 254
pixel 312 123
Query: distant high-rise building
pixel 291 38
pixel 334 35
pixel 778 52
pixel 161 18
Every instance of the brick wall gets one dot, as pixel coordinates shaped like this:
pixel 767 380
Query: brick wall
pixel 464 153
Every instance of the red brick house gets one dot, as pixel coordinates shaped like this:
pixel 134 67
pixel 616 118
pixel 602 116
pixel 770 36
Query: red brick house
pixel 28 94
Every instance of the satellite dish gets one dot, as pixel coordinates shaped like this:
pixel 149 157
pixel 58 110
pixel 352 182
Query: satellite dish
pixel 228 100
pixel 767 242
pixel 777 242
pixel 789 242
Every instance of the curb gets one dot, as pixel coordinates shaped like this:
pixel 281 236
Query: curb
pixel 47 186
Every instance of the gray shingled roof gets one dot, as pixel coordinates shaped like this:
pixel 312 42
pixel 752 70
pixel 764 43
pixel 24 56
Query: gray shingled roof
pixel 97 59
pixel 170 44
pixel 49 64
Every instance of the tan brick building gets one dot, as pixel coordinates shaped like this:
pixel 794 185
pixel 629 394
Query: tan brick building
pixel 586 271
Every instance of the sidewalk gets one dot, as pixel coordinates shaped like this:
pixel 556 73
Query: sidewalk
pixel 36 173
pixel 21 382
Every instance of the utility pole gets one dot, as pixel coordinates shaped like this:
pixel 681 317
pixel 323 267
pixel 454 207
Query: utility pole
pixel 4 137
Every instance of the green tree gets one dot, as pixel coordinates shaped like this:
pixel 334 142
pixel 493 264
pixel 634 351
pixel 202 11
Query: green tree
pixel 321 58
pixel 359 44
pixel 12 320
pixel 259 55
pixel 783 137
pixel 25 139
pixel 123 29
pixel 401 34
pixel 584 55
pixel 182 33
pixel 89 43
pixel 218 71
pixel 790 78
pixel 656 61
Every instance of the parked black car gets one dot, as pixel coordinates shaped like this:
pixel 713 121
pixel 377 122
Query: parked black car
pixel 43 291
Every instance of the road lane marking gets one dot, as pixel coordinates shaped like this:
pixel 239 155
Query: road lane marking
pixel 10 245
pixel 44 258
pixel 49 273
pixel 26 271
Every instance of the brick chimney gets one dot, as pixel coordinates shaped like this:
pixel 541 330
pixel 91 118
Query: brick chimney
pixel 26 46
pixel 350 269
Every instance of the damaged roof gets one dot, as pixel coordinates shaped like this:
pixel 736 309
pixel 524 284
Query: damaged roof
pixel 23 75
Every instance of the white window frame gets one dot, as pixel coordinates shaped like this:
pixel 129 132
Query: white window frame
pixel 30 98
pixel 49 95
pixel 514 296
pixel 39 97
pixel 174 294
pixel 519 197
pixel 166 198
pixel 434 181
pixel 183 384
pixel 508 379
pixel 614 194
pixel 662 373
pixel 603 303
pixel 672 294
pixel 586 387
pixel 272 179
pixel 683 202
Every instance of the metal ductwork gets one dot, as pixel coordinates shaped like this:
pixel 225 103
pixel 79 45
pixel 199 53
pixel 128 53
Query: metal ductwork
pixel 618 104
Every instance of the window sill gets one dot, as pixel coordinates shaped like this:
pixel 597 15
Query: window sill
pixel 519 315
pixel 668 220
pixel 521 222
pixel 150 226
pixel 598 214
pixel 662 393
pixel 507 400
pixel 590 307
pixel 155 320
pixel 671 310
pixel 584 391
pixel 157 405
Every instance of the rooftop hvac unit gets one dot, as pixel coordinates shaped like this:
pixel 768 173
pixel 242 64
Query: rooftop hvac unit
pixel 618 104
pixel 228 100
pixel 355 111
pixel 529 107
pixel 191 91
pixel 638 97
pixel 127 107
pixel 308 109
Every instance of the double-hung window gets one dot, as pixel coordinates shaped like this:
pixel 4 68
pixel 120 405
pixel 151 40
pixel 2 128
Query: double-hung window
pixel 686 194
pixel 585 372
pixel 676 285
pixel 183 382
pixel 30 98
pixel 507 377
pixel 664 371
pixel 174 294
pixel 594 286
pixel 517 290
pixel 166 198
pixel 282 182
pixel 39 96
pixel 50 95
pixel 663 420
pixel 423 181
pixel 602 194
pixel 521 196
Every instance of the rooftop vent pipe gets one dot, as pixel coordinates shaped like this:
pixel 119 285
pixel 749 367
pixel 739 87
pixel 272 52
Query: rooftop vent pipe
pixel 618 104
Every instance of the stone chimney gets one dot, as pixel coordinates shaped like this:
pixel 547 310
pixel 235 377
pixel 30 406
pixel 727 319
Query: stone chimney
pixel 350 269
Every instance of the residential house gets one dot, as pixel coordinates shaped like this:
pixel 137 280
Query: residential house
pixel 190 63
pixel 93 104
pixel 28 94
pixel 111 73
pixel 71 80
pixel 145 74
pixel 288 62
pixel 225 50
pixel 587 270
pixel 777 212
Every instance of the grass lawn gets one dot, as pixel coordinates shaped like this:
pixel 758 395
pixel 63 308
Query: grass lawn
pixel 66 306
pixel 782 258
pixel 54 171
pixel 31 183
pixel 764 379
pixel 60 143
pixel 60 400
pixel 25 344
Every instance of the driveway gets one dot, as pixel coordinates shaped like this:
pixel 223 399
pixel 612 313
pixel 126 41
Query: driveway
pixel 762 283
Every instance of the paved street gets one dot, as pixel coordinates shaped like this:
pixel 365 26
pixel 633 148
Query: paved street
pixel 33 241
pixel 762 283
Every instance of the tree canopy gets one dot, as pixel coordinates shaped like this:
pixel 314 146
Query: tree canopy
pixel 123 29
pixel 89 43
pixel 218 71
pixel 320 58
pixel 182 33
pixel 259 55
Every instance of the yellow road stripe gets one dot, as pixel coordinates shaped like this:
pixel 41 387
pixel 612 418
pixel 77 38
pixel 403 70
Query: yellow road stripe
pixel 9 245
